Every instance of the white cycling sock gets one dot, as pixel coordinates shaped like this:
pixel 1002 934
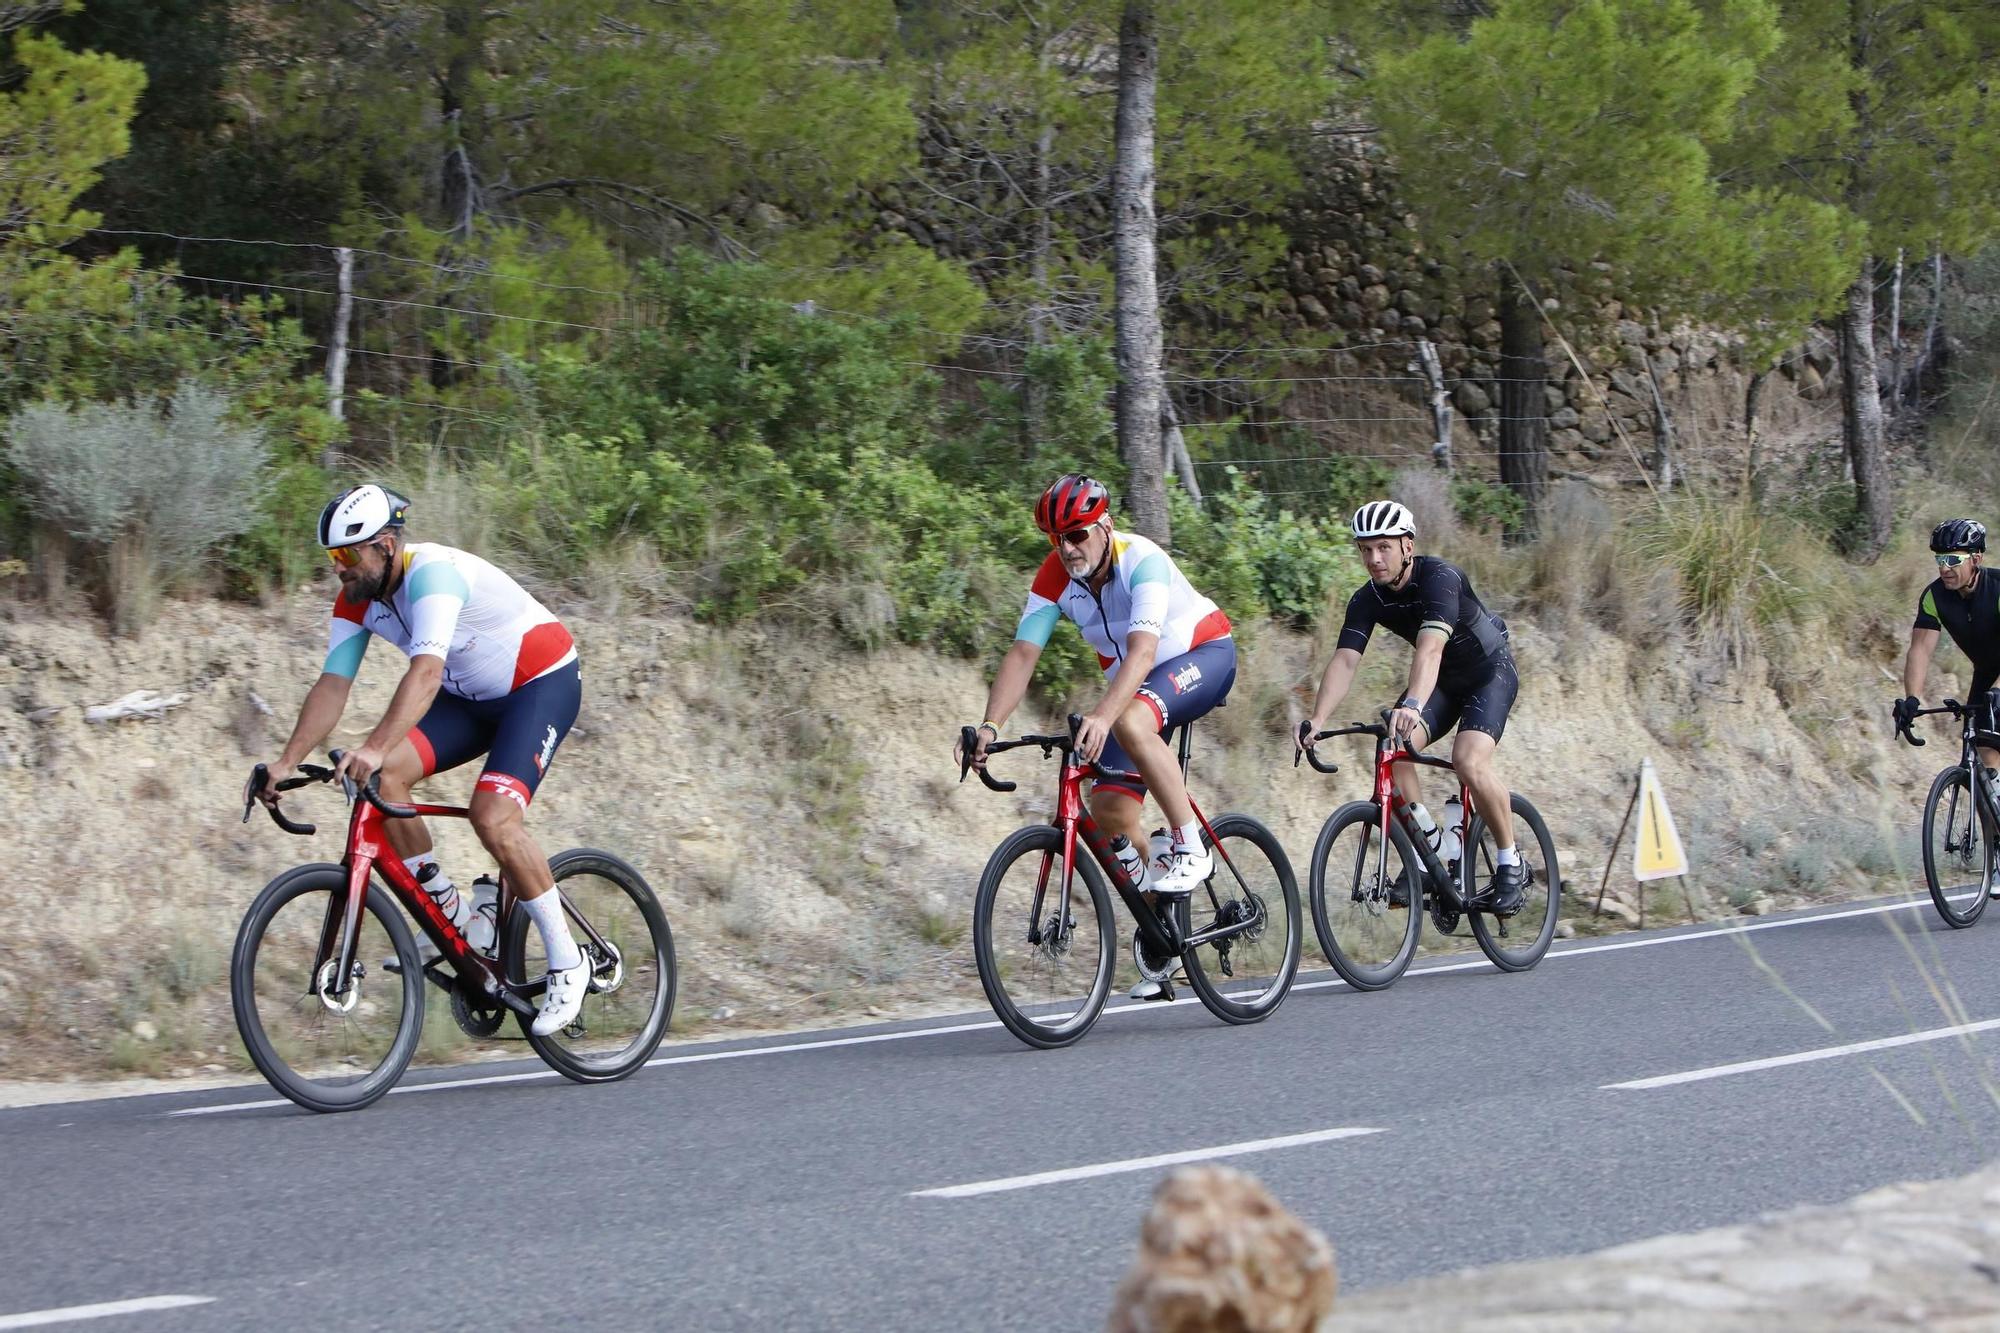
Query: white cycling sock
pixel 1507 856
pixel 547 913
pixel 1189 835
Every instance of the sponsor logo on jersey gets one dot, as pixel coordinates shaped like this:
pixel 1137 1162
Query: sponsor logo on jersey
pixel 1186 678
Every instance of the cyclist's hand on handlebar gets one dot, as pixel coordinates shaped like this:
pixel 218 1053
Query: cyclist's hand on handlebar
pixel 982 737
pixel 269 793
pixel 1091 734
pixel 357 764
pixel 1305 737
pixel 1405 722
pixel 1905 711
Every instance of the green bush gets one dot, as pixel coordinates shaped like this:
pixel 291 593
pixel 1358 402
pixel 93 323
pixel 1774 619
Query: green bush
pixel 1255 558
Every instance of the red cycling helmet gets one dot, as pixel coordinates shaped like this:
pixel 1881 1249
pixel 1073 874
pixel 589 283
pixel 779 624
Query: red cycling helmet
pixel 1073 501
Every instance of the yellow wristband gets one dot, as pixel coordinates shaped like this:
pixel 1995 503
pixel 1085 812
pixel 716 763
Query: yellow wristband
pixel 990 725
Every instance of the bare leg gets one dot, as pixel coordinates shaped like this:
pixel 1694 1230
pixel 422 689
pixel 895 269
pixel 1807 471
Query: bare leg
pixel 503 831
pixel 401 771
pixel 1472 756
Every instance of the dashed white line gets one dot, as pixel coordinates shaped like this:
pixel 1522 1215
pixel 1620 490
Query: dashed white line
pixel 1805 1057
pixel 1006 1183
pixel 909 1034
pixel 71 1313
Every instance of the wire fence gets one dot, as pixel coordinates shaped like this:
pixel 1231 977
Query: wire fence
pixel 1295 421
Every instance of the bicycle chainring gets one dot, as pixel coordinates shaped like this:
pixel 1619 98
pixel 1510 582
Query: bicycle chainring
pixel 1148 969
pixel 475 1020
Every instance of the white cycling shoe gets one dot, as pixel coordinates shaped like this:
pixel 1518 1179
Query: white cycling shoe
pixel 1181 870
pixel 563 1000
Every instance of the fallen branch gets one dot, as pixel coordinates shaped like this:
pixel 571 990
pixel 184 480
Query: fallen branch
pixel 139 703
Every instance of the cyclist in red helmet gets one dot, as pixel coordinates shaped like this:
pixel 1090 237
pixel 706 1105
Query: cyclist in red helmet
pixel 1167 656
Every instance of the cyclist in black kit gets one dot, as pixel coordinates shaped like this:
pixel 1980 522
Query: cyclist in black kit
pixel 1964 603
pixel 1462 674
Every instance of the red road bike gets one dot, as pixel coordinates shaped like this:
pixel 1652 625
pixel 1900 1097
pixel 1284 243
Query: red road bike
pixel 1368 918
pixel 332 1025
pixel 1045 937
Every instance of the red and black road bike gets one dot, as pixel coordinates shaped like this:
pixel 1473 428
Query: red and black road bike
pixel 328 985
pixel 1365 911
pixel 1046 940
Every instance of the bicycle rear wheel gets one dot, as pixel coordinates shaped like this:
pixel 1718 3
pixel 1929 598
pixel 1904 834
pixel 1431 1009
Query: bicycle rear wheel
pixel 1045 956
pixel 1365 936
pixel 1958 863
pixel 328 1043
pixel 1514 943
pixel 631 997
pixel 1255 885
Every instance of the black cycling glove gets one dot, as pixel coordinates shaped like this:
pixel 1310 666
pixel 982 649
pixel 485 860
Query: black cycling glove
pixel 1905 711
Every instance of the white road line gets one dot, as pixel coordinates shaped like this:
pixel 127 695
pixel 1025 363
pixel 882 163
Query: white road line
pixel 69 1313
pixel 1472 964
pixel 1806 1057
pixel 1142 1163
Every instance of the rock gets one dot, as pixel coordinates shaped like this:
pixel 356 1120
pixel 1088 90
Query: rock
pixel 1554 399
pixel 1409 302
pixel 1811 383
pixel 1565 930
pixel 1370 275
pixel 1564 417
pixel 1631 332
pixel 1216 1251
pixel 1349 289
pixel 1375 297
pixel 1620 912
pixel 146 1030
pixel 1571 440
pixel 1313 311
pixel 1469 398
pixel 722 1013
pixel 1478 310
pixel 1595 423
pixel 1413 326
pixel 1666 362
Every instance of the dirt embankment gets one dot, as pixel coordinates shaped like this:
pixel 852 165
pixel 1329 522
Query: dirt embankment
pixel 796 808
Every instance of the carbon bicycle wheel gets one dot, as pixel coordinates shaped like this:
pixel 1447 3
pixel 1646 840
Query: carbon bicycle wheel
pixel 328 1043
pixel 1368 939
pixel 1958 863
pixel 631 996
pixel 1252 971
pixel 1045 956
pixel 1514 943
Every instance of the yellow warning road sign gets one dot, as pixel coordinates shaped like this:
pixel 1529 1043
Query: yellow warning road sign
pixel 1658 854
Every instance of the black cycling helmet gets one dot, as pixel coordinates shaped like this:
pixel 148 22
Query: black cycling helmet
pixel 1959 534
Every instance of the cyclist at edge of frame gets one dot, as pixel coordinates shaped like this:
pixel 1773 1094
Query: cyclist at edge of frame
pixel 1964 603
pixel 1462 673
pixel 490 672
pixel 1168 658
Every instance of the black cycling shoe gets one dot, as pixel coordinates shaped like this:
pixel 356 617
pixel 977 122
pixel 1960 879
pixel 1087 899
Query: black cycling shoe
pixel 1399 890
pixel 1508 892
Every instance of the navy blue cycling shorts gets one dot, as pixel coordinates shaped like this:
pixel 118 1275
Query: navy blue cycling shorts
pixel 1178 690
pixel 518 733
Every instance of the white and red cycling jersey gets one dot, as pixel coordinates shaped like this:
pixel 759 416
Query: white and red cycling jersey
pixel 1146 591
pixel 493 635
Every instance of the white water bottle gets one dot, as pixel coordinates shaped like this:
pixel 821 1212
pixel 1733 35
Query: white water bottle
pixel 1128 859
pixel 482 932
pixel 1425 825
pixel 1454 828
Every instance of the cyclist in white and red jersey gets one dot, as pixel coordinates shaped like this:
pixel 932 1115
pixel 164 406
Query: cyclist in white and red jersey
pixel 1167 655
pixel 490 672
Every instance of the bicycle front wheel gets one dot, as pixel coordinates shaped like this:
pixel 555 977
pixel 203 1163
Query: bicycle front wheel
pixel 1514 943
pixel 328 1042
pixel 1045 951
pixel 1251 886
pixel 1365 935
pixel 1958 863
pixel 621 929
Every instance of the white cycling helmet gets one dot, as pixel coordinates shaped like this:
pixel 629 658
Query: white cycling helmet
pixel 1383 518
pixel 354 516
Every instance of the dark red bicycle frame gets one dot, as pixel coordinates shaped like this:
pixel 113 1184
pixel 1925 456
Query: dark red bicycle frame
pixel 1388 800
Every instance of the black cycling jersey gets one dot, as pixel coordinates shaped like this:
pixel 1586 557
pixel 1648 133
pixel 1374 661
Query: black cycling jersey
pixel 1972 620
pixel 1437 595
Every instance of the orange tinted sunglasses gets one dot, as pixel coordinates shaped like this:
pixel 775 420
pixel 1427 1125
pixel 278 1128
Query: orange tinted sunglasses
pixel 345 556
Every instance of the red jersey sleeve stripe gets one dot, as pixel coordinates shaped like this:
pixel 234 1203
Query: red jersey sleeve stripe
pixel 346 610
pixel 1051 579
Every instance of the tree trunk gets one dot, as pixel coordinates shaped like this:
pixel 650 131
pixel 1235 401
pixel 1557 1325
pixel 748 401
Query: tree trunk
pixel 1440 404
pixel 458 182
pixel 1524 421
pixel 336 354
pixel 1141 378
pixel 1896 338
pixel 1751 398
pixel 1861 420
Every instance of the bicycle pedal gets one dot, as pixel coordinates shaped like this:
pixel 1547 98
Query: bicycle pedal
pixel 439 974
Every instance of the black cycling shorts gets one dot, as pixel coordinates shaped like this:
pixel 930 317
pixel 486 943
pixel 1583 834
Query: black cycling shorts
pixel 518 733
pixel 1480 703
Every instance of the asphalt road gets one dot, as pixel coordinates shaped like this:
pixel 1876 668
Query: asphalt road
pixel 848 1179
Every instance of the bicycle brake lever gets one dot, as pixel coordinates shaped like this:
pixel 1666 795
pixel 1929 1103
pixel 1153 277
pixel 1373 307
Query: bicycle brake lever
pixel 259 775
pixel 968 741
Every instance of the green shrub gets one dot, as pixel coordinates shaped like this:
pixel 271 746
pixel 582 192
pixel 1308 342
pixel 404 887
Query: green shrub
pixel 149 494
